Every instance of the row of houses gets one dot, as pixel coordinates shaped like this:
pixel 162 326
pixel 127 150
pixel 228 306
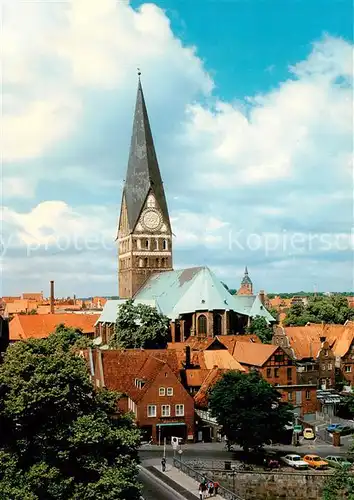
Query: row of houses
pixel 168 389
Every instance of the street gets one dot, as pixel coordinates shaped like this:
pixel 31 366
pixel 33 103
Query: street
pixel 154 489
pixel 216 451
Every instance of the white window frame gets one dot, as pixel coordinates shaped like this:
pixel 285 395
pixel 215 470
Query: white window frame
pixel 162 391
pixel 165 410
pixel 179 410
pixel 169 391
pixel 348 369
pixel 153 413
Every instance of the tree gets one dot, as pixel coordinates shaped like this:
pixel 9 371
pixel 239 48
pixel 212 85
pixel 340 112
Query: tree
pixel 61 439
pixel 249 409
pixel 327 309
pixel 140 326
pixel 339 485
pixel 260 327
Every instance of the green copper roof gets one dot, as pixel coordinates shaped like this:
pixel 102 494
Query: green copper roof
pixel 187 290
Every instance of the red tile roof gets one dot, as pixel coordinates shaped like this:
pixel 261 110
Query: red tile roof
pixel 23 327
pixel 306 340
pixel 253 354
pixel 122 367
pixel 201 398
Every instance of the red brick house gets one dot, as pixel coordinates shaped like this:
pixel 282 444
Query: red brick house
pixel 150 384
pixel 271 361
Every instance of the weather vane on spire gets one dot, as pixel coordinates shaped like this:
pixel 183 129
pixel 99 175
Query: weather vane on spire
pixel 139 72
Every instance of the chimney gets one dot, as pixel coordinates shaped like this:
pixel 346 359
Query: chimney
pixel 262 296
pixel 188 356
pixel 52 297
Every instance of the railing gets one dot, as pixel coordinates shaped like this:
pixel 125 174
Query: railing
pixel 186 469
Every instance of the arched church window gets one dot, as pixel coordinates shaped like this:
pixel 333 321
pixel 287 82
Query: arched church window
pixel 202 324
pixel 146 262
pixel 165 245
pixel 150 201
pixel 141 263
pixel 147 244
pixel 218 324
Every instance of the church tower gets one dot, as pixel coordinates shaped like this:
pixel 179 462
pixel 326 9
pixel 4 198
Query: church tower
pixel 144 230
pixel 246 285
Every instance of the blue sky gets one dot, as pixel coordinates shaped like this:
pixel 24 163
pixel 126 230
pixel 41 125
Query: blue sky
pixel 251 108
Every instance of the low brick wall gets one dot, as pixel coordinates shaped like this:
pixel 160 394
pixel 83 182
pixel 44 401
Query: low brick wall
pixel 272 486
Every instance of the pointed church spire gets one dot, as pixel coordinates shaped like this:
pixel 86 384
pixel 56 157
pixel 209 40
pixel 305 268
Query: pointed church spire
pixel 246 270
pixel 143 173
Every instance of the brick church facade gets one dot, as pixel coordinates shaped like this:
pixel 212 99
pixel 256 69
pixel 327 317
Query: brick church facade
pixel 144 231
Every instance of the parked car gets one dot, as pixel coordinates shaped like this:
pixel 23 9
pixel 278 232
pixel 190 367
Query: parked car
pixel 345 430
pixel 309 434
pixel 332 427
pixel 295 461
pixel 315 461
pixel 337 461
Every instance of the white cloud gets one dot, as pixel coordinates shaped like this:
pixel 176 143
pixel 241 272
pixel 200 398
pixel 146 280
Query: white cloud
pixel 262 164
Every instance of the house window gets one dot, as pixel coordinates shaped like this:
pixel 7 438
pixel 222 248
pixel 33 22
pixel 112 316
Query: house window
pixel 169 391
pixel 279 358
pixel 161 391
pixel 166 410
pixel 269 372
pixel 276 372
pixel 289 373
pixel 329 366
pixel 179 410
pixel 308 396
pixel 202 324
pixel 347 368
pixel 290 396
pixel 151 410
pixel 217 324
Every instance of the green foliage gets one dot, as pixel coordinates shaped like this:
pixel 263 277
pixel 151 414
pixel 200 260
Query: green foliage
pixel 249 409
pixel 260 327
pixel 274 313
pixel 60 438
pixel 139 326
pixel 331 309
pixel 339 485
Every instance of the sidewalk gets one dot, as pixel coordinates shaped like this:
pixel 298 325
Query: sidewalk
pixel 183 480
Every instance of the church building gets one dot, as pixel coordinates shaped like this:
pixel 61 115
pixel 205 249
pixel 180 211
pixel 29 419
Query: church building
pixel 196 302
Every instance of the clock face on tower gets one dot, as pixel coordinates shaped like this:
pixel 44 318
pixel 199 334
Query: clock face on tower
pixel 151 219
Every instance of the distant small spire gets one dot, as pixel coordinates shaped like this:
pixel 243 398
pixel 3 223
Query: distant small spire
pixel 139 73
pixel 246 270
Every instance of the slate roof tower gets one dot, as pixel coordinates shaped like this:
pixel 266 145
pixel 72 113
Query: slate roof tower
pixel 246 285
pixel 144 230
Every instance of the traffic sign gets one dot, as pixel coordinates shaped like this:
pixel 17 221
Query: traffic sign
pixel 174 442
pixel 297 428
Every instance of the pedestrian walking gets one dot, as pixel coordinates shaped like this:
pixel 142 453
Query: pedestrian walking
pixel 211 488
pixel 201 491
pixel 216 487
pixel 163 464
